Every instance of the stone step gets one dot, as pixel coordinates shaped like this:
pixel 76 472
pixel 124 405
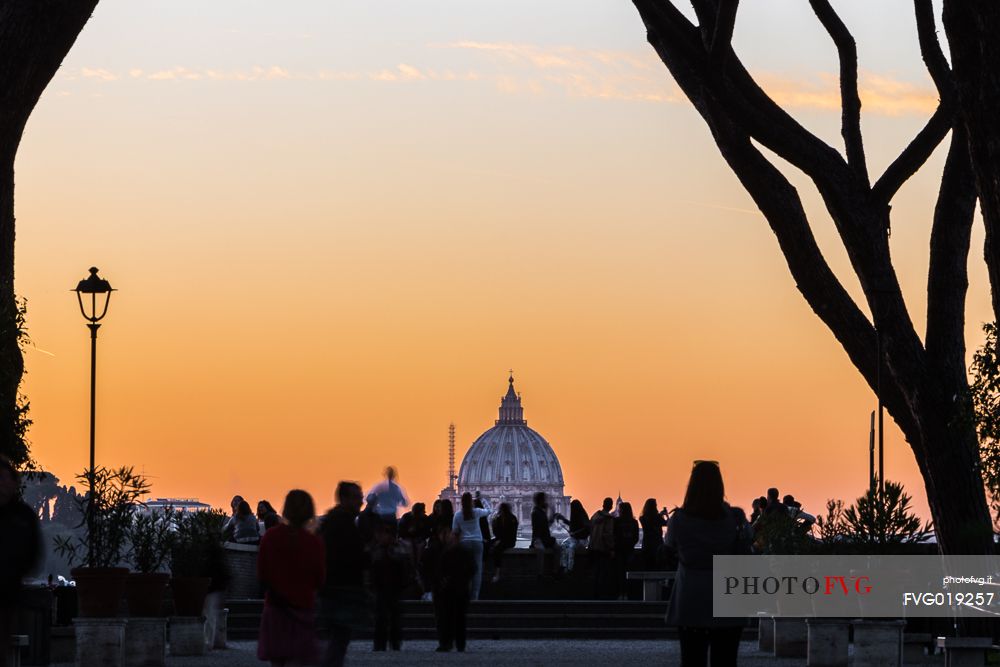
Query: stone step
pixel 410 633
pixel 509 619
pixel 569 607
pixel 589 622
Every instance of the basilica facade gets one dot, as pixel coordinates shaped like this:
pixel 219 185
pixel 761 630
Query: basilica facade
pixel 509 463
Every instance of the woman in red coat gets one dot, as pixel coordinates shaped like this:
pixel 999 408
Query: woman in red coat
pixel 291 565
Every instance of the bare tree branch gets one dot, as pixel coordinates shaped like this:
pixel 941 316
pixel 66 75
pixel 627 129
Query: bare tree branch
pixel 914 155
pixel 930 49
pixel 782 207
pixel 679 44
pixel 722 36
pixel 850 101
pixel 779 202
pixel 916 388
pixel 933 133
pixel 751 109
pixel 947 277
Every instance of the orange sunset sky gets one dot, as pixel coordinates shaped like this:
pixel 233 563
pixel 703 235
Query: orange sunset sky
pixel 334 226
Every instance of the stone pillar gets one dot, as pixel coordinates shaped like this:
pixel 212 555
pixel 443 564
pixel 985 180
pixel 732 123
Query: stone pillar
pixel 145 642
pixel 878 643
pixel 187 635
pixel 765 632
pixel 99 642
pixel 790 638
pixel 828 639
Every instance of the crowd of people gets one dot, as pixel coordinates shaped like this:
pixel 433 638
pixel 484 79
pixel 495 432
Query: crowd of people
pixel 773 505
pixel 299 566
pixel 325 571
pixel 362 548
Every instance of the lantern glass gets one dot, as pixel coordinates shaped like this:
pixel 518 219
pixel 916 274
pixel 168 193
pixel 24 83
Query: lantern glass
pixel 94 295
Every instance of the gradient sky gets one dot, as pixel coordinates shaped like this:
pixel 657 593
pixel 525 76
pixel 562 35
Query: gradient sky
pixel 335 225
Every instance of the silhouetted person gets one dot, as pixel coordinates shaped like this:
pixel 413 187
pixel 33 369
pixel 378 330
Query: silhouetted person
pixel 229 527
pixel 757 508
pixel 456 566
pixel 465 526
pixel 291 565
pixel 579 532
pixel 504 536
pixel 704 526
pixel 441 517
pixel 430 561
pixel 484 527
pixel 366 524
pixel 602 550
pixel 343 601
pixel 245 527
pixel 415 529
pixel 541 533
pixel 447 513
pixel 774 503
pixel 626 537
pixel 390 575
pixel 652 521
pixel 796 512
pixel 20 550
pixel 388 496
pixel 267 515
pixel 218 570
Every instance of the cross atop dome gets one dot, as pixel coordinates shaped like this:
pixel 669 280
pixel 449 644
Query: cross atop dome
pixel 511 411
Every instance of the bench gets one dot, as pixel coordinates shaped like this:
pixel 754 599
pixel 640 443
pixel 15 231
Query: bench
pixel 963 651
pixel 652 582
pixel 17 643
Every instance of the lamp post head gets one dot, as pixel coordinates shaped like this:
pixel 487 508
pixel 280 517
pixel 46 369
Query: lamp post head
pixel 93 285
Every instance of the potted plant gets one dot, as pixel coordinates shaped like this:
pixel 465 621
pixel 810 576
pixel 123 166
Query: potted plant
pixel 151 538
pixel 107 510
pixel 197 536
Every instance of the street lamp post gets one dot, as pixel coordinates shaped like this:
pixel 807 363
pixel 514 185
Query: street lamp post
pixel 87 293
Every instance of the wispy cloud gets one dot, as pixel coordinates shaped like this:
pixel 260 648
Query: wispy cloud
pixel 879 94
pixel 401 72
pixel 529 69
pixel 98 73
pixel 639 76
pixel 605 74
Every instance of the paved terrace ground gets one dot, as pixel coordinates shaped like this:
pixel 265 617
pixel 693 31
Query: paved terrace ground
pixel 501 653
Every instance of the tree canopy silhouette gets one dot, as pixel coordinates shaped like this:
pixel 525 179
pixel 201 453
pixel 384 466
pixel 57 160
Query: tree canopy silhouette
pixel 923 380
pixel 35 36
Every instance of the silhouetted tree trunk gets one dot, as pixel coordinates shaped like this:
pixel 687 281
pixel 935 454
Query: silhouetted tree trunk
pixel 924 382
pixel 35 36
pixel 972 27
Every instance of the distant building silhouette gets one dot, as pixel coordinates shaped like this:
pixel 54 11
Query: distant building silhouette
pixel 509 463
pixel 177 504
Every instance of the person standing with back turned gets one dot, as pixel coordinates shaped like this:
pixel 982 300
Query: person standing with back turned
pixel 704 526
pixel 343 601
pixel 291 564
pixel 387 497
pixel 602 550
pixel 466 527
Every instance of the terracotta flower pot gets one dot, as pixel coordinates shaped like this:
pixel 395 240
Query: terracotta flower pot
pixel 99 590
pixel 145 593
pixel 189 594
